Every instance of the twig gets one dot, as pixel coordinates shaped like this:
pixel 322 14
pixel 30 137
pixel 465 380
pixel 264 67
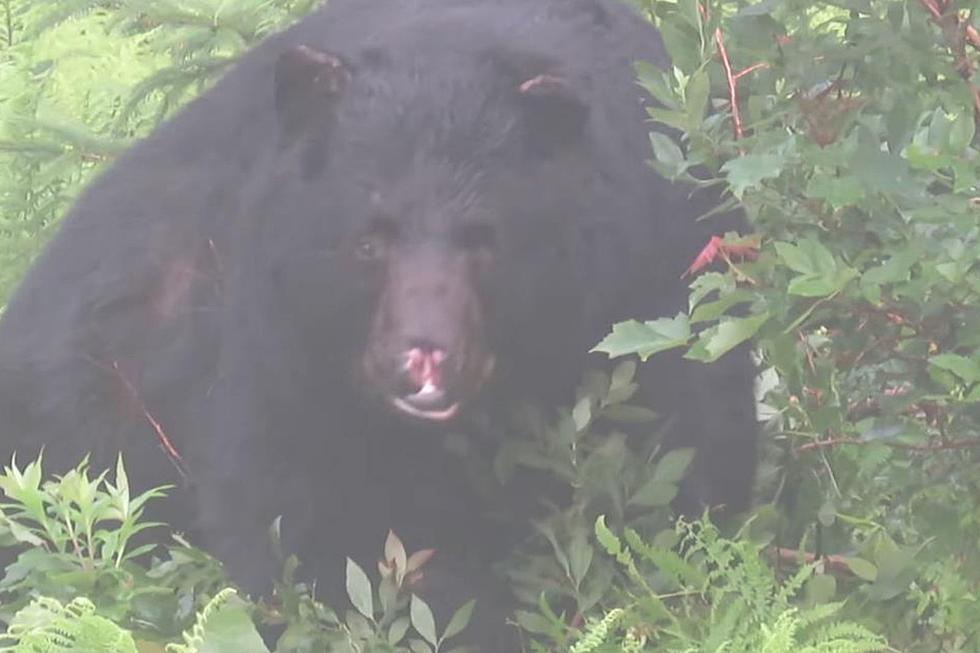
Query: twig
pixel 751 69
pixel 732 91
pixel 833 563
pixel 165 442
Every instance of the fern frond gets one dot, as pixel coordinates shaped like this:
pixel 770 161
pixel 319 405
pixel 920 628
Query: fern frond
pixel 47 626
pixel 194 638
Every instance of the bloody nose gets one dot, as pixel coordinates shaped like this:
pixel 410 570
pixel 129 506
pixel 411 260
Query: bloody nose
pixel 423 368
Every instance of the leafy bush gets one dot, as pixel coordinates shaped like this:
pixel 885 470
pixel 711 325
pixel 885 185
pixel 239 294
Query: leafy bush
pixel 848 132
pixel 852 145
pixel 718 596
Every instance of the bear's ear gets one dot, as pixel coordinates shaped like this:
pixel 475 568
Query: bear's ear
pixel 309 83
pixel 555 116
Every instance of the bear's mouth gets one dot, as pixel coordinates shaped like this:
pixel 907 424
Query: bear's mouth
pixel 429 403
pixel 433 401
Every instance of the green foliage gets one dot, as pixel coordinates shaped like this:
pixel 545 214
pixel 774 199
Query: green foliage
pixel 80 536
pixel 384 624
pixel 854 152
pixel 74 538
pixel 224 624
pixel 82 79
pixel 717 596
pixel 47 626
pixel 855 156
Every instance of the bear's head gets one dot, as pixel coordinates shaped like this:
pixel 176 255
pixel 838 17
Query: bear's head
pixel 427 214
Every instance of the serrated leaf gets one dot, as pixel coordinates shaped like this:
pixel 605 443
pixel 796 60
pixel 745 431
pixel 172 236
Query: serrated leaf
pixel 895 269
pixel 359 589
pixel 748 171
pixel 877 170
pixel 606 537
pixel 422 619
pixel 721 339
pixel 838 192
pixel 229 627
pixel 711 311
pixel 645 338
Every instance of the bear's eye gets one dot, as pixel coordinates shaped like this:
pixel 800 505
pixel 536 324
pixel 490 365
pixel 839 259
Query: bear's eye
pixel 374 242
pixel 369 248
pixel 477 236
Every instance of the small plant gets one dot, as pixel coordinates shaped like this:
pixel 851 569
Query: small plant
pixel 716 594
pixel 223 624
pixel 47 626
pixel 76 539
pixel 386 621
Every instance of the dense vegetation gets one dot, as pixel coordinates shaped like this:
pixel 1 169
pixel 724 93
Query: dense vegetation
pixel 847 130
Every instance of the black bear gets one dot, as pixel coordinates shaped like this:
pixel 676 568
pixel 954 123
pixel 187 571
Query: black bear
pixel 379 225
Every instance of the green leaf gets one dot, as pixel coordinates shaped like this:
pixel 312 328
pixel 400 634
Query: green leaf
pixel 645 338
pixel 656 81
pixel 961 132
pixel 606 537
pixel 418 646
pixel 654 494
pixel 862 568
pixel 749 170
pixel 838 192
pixel 895 269
pixel 459 621
pixel 622 376
pixel 690 11
pixel 966 369
pixel 820 589
pixel 877 170
pixel 397 630
pixel 696 94
pixel 422 620
pixel 579 557
pixel 719 340
pixel 673 465
pixel 674 119
pixel 811 287
pixel 668 155
pixel 359 589
pixel 582 413
pixel 534 623
pixel 229 627
pixel 710 311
